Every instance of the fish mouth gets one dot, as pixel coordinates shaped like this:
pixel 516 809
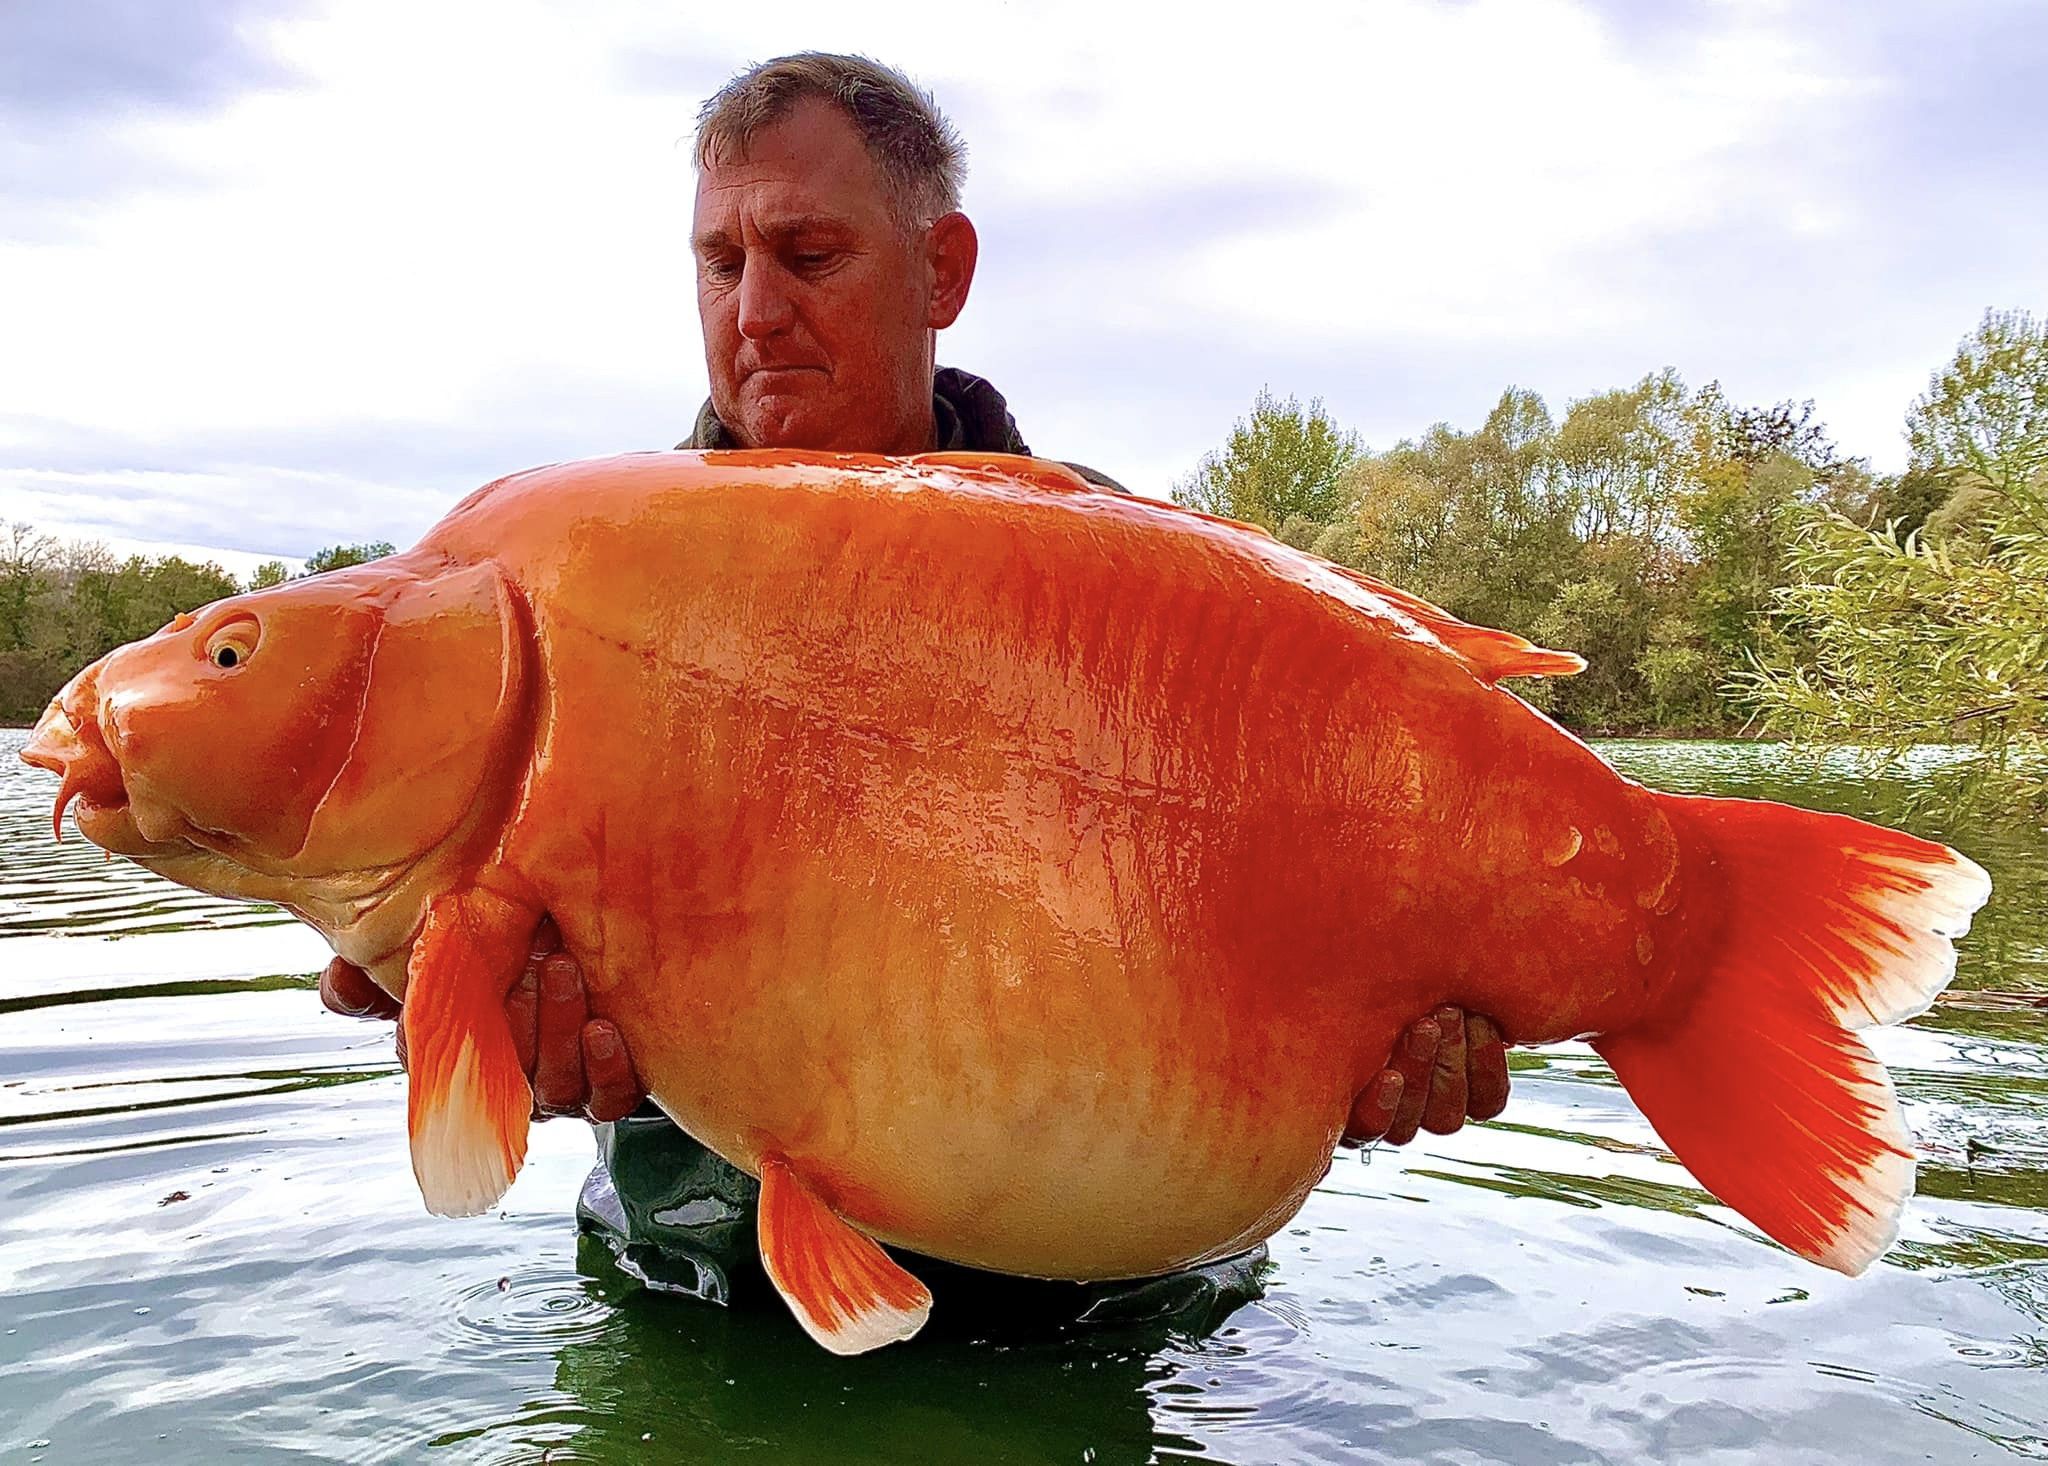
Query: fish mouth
pixel 71 746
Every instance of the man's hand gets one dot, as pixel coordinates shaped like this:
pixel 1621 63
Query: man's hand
pixel 578 1065
pixel 1446 1068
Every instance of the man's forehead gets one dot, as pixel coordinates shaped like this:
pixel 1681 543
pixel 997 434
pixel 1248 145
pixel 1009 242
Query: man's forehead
pixel 775 207
pixel 720 226
pixel 809 162
pixel 811 128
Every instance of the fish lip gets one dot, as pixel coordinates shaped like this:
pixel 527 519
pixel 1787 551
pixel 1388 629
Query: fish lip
pixel 51 740
pixel 71 746
pixel 112 828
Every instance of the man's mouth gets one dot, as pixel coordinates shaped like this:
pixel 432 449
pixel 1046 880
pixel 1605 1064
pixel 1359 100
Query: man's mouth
pixel 775 376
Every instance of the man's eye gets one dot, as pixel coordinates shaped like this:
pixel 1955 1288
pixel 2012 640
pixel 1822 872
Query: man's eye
pixel 815 259
pixel 720 269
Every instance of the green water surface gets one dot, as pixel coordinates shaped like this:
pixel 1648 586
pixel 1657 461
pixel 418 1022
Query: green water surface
pixel 212 1250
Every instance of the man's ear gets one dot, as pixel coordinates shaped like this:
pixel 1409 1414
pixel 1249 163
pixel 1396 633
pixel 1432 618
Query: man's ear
pixel 446 685
pixel 951 249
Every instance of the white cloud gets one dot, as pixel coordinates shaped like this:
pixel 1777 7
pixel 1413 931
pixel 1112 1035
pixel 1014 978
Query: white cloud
pixel 453 244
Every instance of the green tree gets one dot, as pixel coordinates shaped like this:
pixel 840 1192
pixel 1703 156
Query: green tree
pixel 1722 430
pixel 1907 500
pixel 337 557
pixel 1281 462
pixel 135 599
pixel 1906 641
pixel 1408 510
pixel 1985 415
pixel 1906 638
pixel 1623 591
pixel 1471 520
pixel 1623 457
pixel 76 603
pixel 26 561
pixel 1740 518
pixel 269 573
pixel 1683 677
pixel 1561 531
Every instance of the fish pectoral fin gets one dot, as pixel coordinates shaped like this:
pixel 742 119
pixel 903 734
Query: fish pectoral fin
pixel 846 1292
pixel 468 1102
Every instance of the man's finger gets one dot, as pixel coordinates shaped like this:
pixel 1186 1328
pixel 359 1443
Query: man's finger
pixel 522 1013
pixel 614 1088
pixel 1486 1069
pixel 1414 1059
pixel 348 990
pixel 1372 1112
pixel 558 1085
pixel 1444 1111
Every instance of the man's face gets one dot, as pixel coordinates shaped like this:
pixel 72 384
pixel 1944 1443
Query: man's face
pixel 818 307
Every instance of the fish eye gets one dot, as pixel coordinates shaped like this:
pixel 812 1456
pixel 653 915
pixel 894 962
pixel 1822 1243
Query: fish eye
pixel 232 643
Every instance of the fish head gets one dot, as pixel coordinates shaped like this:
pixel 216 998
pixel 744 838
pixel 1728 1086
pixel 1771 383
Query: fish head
pixel 342 723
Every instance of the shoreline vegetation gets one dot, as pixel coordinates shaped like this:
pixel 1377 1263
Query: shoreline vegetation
pixel 1726 571
pixel 64 605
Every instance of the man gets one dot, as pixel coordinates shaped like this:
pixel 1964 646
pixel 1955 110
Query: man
pixel 830 252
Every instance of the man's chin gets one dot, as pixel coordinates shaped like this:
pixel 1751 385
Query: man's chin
pixel 799 409
pixel 782 420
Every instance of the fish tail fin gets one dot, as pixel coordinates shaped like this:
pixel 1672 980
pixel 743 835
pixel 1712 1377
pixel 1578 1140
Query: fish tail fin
pixel 1754 1077
pixel 468 1105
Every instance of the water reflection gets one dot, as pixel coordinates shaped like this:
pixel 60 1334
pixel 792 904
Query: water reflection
pixel 211 1248
pixel 650 1379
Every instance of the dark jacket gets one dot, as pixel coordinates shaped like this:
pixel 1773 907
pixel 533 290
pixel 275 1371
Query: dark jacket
pixel 970 414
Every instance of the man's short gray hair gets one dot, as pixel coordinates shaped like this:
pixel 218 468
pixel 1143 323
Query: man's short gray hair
pixel 922 160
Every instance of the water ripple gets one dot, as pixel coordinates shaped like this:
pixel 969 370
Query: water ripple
pixel 529 1313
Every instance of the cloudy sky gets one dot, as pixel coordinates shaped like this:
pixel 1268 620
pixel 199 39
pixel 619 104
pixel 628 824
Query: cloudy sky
pixel 275 275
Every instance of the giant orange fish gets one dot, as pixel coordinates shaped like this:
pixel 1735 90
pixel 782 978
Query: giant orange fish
pixel 1020 874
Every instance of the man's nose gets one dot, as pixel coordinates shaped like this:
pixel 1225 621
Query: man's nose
pixel 765 304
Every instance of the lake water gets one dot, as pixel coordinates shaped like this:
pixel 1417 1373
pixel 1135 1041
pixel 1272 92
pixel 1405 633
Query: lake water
pixel 211 1250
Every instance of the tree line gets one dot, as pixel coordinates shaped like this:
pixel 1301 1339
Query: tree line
pixel 64 605
pixel 1721 567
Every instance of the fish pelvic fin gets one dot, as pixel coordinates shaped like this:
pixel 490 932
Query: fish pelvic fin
pixel 1755 1078
pixel 845 1291
pixel 468 1103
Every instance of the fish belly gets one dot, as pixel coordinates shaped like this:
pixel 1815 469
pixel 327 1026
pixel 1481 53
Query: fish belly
pixel 977 1095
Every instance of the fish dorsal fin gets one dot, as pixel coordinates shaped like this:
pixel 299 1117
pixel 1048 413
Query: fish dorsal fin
pixel 846 1292
pixel 1490 654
